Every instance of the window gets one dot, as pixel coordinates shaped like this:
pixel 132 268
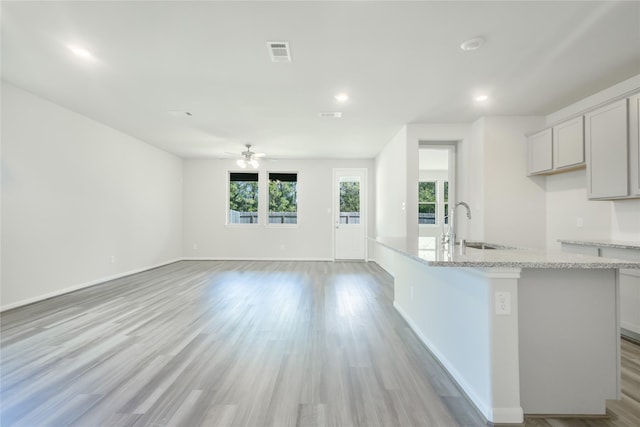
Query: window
pixel 243 198
pixel 427 202
pixel 446 202
pixel 350 200
pixel 283 198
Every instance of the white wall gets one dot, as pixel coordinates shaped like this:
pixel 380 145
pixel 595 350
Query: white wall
pixel 491 178
pixel 514 204
pixel 625 220
pixel 566 202
pixel 206 234
pixel 76 195
pixel 475 183
pixel 391 187
pixel 433 175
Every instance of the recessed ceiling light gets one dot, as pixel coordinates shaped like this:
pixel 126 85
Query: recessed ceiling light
pixel 472 44
pixel 481 98
pixel 342 97
pixel 80 52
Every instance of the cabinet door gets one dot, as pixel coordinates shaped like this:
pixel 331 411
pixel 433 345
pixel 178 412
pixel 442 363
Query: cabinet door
pixel 568 143
pixel 634 144
pixel 607 153
pixel 540 152
pixel 630 300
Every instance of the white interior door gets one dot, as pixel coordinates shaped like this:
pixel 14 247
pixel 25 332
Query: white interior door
pixel 349 211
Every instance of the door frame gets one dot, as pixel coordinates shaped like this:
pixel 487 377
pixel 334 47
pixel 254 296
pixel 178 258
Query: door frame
pixel 452 147
pixel 335 207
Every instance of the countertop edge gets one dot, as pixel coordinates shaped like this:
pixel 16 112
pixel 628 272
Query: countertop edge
pixel 601 265
pixel 602 243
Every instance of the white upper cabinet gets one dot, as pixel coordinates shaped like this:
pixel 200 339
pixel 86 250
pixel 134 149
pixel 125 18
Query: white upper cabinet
pixel 607 151
pixel 557 149
pixel 540 148
pixel 606 140
pixel 634 144
pixel 568 144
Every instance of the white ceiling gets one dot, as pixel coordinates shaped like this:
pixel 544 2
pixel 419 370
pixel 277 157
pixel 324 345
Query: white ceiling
pixel 400 62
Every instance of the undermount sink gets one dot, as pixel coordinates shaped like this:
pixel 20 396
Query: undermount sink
pixel 484 245
pixel 479 245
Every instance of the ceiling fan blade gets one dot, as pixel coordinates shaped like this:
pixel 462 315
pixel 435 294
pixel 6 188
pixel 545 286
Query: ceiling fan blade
pixel 258 155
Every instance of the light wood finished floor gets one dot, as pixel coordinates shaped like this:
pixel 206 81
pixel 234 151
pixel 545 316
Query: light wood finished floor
pixel 225 344
pixel 238 344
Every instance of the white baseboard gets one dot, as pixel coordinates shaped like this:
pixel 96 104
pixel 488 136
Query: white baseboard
pixel 630 326
pixel 82 286
pixel 506 415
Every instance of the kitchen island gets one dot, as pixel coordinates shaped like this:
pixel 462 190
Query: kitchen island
pixel 629 278
pixel 521 331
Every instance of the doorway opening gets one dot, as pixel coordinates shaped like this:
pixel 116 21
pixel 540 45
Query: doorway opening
pixel 436 192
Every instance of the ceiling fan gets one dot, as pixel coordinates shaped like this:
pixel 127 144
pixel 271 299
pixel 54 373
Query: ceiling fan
pixel 249 157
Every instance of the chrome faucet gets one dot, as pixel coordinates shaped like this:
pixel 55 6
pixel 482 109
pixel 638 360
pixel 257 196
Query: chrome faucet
pixel 450 236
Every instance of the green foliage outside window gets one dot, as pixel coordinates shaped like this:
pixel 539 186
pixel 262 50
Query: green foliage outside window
pixel 427 197
pixel 283 196
pixel 350 196
pixel 446 202
pixel 243 196
pixel 427 192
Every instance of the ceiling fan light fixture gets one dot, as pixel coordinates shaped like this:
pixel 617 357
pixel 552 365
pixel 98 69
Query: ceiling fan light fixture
pixel 248 158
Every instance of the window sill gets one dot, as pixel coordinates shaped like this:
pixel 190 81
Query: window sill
pixel 282 225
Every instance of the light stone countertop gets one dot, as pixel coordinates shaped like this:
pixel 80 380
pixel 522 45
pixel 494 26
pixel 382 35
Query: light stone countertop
pixel 603 243
pixel 505 258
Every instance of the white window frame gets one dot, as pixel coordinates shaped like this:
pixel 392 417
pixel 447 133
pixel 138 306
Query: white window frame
pixel 453 153
pixel 228 201
pixel 442 203
pixel 266 204
pixel 436 203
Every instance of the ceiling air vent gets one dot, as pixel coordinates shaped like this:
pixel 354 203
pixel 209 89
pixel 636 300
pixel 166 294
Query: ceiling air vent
pixel 331 114
pixel 279 51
